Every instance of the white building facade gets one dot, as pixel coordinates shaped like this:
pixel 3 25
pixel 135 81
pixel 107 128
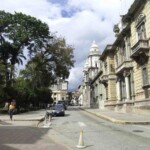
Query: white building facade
pixel 91 68
pixel 60 90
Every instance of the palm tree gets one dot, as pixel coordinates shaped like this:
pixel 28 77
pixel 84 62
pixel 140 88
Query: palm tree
pixel 16 57
pixel 4 56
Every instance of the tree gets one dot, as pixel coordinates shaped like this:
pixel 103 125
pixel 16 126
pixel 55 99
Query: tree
pixel 25 94
pixel 17 32
pixel 51 62
pixel 2 81
pixel 45 66
pixel 60 57
pixel 49 56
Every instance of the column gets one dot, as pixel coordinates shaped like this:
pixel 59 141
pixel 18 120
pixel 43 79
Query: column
pixel 118 91
pixel 127 87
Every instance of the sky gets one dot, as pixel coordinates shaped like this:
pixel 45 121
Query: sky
pixel 80 22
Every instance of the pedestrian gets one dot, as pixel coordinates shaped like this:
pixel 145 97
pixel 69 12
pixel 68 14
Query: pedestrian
pixel 11 110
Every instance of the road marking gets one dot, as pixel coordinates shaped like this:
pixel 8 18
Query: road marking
pixel 81 124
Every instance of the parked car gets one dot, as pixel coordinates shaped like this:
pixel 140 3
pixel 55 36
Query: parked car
pixel 62 102
pixel 58 110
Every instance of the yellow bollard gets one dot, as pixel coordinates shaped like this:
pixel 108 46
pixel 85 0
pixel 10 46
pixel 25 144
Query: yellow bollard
pixel 81 141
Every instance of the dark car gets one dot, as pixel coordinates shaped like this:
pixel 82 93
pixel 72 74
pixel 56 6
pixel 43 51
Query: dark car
pixel 58 110
pixel 62 102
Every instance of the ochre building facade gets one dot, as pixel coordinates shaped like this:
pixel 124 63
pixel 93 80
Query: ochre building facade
pixel 120 79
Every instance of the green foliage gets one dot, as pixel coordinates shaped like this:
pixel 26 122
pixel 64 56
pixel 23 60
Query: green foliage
pixel 44 95
pixel 62 57
pixel 17 32
pixel 2 75
pixel 50 57
pixel 27 31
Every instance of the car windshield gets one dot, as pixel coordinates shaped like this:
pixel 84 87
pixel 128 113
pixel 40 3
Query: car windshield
pixel 61 102
pixel 59 107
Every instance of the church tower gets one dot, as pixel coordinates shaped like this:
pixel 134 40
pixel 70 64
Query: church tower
pixel 93 60
pixel 90 70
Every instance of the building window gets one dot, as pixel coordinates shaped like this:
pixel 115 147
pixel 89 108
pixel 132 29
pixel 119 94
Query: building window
pixel 145 76
pixel 141 31
pixel 128 50
pixel 129 82
pixel 107 93
pixel 140 25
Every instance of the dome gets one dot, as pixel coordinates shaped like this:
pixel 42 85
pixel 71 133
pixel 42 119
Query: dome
pixel 94 47
pixel 94 50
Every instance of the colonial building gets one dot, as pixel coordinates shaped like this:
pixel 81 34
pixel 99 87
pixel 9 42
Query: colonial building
pixel 60 90
pixel 123 66
pixel 120 80
pixel 91 69
pixel 132 59
pixel 86 87
pixel 108 78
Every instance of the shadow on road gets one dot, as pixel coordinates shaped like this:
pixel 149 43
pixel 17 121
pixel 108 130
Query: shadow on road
pixel 19 135
pixel 4 147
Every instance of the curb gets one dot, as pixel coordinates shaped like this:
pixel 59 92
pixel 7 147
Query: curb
pixel 118 121
pixel 37 124
pixel 32 119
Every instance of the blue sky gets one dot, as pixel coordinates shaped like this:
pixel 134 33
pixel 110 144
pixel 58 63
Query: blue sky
pixel 69 13
pixel 60 2
pixel 79 21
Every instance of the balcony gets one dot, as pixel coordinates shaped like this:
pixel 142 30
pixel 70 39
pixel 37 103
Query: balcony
pixel 141 46
pixel 125 65
pixel 104 78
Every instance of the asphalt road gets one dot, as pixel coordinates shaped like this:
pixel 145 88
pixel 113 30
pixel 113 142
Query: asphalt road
pixel 24 135
pixel 64 133
pixel 98 134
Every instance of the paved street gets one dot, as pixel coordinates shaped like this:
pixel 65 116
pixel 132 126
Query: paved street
pixel 23 133
pixel 99 133
pixel 23 138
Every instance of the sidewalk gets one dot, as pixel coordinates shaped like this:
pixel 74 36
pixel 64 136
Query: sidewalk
pixel 25 134
pixel 120 118
pixel 27 116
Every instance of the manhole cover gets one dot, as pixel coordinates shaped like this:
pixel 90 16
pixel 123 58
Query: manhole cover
pixel 138 131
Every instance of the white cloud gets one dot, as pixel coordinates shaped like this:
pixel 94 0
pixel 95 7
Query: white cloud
pixel 91 20
pixel 76 76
